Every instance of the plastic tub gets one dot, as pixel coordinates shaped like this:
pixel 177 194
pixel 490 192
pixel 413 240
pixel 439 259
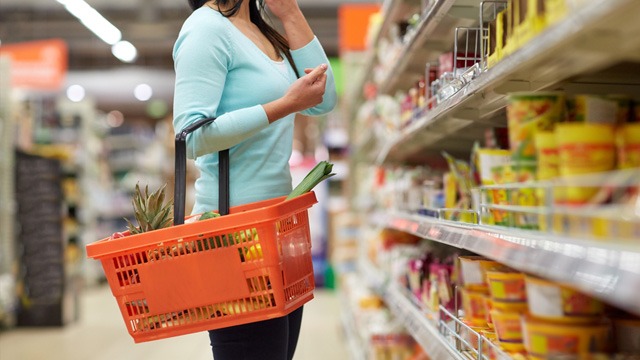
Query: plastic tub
pixel 507 286
pixel 488 306
pixel 529 112
pixel 583 149
pixel 508 327
pixel 516 307
pixel 542 339
pixel 474 269
pixel 473 303
pixel 555 302
pixel 628 144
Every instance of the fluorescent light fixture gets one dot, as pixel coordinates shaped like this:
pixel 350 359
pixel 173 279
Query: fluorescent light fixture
pixel 143 92
pixel 125 51
pixel 75 93
pixel 93 20
pixel 102 28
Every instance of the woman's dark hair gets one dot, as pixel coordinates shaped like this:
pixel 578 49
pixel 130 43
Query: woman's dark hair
pixel 256 7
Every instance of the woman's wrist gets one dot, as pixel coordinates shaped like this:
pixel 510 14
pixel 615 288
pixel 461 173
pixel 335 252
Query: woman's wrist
pixel 277 109
pixel 297 29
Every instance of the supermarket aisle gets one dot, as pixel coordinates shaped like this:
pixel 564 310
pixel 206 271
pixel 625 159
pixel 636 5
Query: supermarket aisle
pixel 100 335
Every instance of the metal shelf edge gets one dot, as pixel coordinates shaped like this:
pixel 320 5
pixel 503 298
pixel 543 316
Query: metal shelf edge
pixel 608 272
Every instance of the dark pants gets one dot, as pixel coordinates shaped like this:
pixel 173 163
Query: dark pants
pixel 273 339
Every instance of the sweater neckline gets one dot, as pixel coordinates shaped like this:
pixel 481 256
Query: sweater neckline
pixel 244 36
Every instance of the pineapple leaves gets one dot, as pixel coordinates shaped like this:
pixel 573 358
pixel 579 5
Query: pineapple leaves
pixel 150 210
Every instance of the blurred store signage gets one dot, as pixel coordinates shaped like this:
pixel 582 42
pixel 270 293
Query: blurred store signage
pixel 353 25
pixel 37 65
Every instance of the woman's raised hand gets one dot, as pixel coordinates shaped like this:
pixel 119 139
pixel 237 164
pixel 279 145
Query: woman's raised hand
pixel 303 94
pixel 307 91
pixel 283 9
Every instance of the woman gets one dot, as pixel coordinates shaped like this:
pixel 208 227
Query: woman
pixel 233 66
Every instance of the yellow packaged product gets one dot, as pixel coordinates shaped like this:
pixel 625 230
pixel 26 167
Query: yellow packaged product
pixel 628 146
pixel 547 155
pixel 507 286
pixel 519 307
pixel 593 109
pixel 508 327
pixel 555 10
pixel 525 172
pixel 450 191
pixel 474 269
pixel 473 304
pixel 488 306
pixel 584 149
pixel 502 175
pixel 532 20
pixel 542 338
pixel 528 113
pixel 559 303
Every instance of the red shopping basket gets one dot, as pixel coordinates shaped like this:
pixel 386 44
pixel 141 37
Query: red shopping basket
pixel 252 264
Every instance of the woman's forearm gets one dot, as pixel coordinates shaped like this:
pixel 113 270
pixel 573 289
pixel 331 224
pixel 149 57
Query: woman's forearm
pixel 297 29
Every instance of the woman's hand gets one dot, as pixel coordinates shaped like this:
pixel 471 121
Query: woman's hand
pixel 304 93
pixel 283 9
pixel 296 28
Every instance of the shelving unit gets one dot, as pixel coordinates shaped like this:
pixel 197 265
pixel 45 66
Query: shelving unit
pixel 357 348
pixel 568 55
pixel 594 49
pixel 422 324
pixel 608 271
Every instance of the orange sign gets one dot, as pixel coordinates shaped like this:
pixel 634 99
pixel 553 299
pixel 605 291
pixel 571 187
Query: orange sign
pixel 353 24
pixel 38 65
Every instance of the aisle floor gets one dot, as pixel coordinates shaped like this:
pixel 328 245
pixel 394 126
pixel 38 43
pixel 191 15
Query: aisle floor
pixel 100 335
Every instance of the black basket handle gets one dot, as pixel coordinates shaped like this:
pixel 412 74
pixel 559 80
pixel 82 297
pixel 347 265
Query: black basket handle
pixel 181 174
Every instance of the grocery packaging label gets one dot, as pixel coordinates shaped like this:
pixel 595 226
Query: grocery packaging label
pixel 586 158
pixel 508 289
pixel 545 344
pixel 528 113
pixel 595 109
pixel 545 301
pixel 578 304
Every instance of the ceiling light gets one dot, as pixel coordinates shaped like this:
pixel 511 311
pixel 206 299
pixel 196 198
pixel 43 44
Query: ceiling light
pixel 93 20
pixel 75 93
pixel 143 92
pixel 125 51
pixel 115 118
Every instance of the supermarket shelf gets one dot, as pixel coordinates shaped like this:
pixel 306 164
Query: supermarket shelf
pixel 599 35
pixel 357 348
pixel 419 323
pixel 392 11
pixel 610 272
pixel 442 18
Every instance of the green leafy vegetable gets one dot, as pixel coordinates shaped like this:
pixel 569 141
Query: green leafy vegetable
pixel 320 172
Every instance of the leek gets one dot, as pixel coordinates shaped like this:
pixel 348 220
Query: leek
pixel 320 172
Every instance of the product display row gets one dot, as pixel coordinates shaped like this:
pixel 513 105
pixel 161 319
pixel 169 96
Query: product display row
pixel 456 305
pixel 502 137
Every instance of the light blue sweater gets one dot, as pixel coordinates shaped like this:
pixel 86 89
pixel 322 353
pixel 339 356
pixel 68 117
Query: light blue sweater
pixel 221 73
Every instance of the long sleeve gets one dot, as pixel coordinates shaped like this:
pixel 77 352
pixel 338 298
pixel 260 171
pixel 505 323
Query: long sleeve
pixel 310 56
pixel 203 56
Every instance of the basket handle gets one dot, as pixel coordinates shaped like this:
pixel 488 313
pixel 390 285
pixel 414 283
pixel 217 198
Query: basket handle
pixel 181 173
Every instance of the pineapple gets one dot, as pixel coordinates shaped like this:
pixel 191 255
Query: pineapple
pixel 150 210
